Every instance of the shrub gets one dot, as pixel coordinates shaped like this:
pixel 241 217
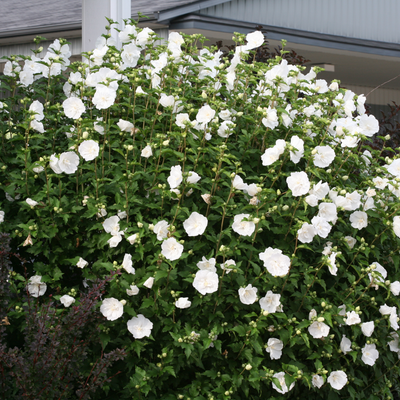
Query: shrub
pixel 256 231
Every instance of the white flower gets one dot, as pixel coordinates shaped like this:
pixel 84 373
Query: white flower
pixel 31 202
pixel 125 126
pixel 161 229
pixel 352 318
pixel 149 282
pixel 67 300
pixel 181 119
pixel 244 228
pixel 68 162
pixel 270 156
pixel 321 226
pixel 270 302
pixel 111 225
pixel 112 308
pixel 73 107
pixel 205 114
pixel 312 314
pixel 337 379
pixel 276 263
pixel 167 101
pixel 146 152
pixel 318 330
pixel 1 216
pixel 183 302
pixel 350 241
pixel 332 263
pixel 36 287
pixel 37 109
pixel 193 177
pixel 396 226
pixel 37 126
pixel 207 264
pixel 171 249
pixel 306 233
pixel 89 150
pixel 140 326
pixel 369 354
pixel 324 156
pixel 196 224
pixel 298 144
pixel 226 129
pixel 359 219
pixel 328 211
pixel 54 164
pixel 226 264
pixel 114 240
pixel 281 377
pixel 132 239
pixel 378 268
pixel 394 286
pixel 238 183
pixel 127 264
pixel 104 97
pixel 274 348
pixel 175 177
pixel 298 183
pixel 248 295
pixel 394 344
pixel 367 328
pixel 271 120
pixel 254 40
pixel 206 281
pixel 345 345
pixel 132 291
pixel 81 263
pixel 317 381
pixel 386 310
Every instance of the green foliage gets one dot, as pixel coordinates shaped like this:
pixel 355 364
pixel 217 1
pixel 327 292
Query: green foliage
pixel 260 136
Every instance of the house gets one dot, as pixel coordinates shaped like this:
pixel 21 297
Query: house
pixel 356 40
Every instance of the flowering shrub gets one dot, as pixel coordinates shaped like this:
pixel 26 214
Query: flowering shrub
pixel 255 231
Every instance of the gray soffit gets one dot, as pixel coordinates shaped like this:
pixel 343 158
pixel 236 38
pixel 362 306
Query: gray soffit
pixel 195 21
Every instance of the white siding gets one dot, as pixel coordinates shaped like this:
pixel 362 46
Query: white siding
pixel 362 19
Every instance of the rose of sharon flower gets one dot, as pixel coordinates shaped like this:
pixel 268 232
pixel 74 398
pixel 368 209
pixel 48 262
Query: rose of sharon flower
pixel 281 377
pixel 1 216
pixel 324 156
pixel 396 226
pixel 67 300
pixel 149 282
pixel 274 348
pixel 306 233
pixel 298 183
pixel 352 318
pixel 196 224
pixel 205 114
pixel 132 291
pixel 112 309
pixel 54 164
pixel 127 264
pixel 146 152
pixel 207 264
pixel 111 225
pixel 248 295
pixel 317 381
pixel 318 330
pixel 125 126
pixel 140 326
pixel 81 263
pixel 359 219
pixel 171 249
pixel 206 281
pixel 337 379
pixel 132 239
pixel 175 177
pixel 345 345
pixel 367 328
pixel 36 287
pixel 104 97
pixel 270 302
pixel 244 228
pixel 369 354
pixel 31 202
pixel 68 162
pixel 89 150
pixel 276 263
pixel 161 229
pixel 73 107
pixel 183 302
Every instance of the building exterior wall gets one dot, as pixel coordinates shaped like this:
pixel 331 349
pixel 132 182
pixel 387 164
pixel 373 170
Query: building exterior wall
pixel 363 19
